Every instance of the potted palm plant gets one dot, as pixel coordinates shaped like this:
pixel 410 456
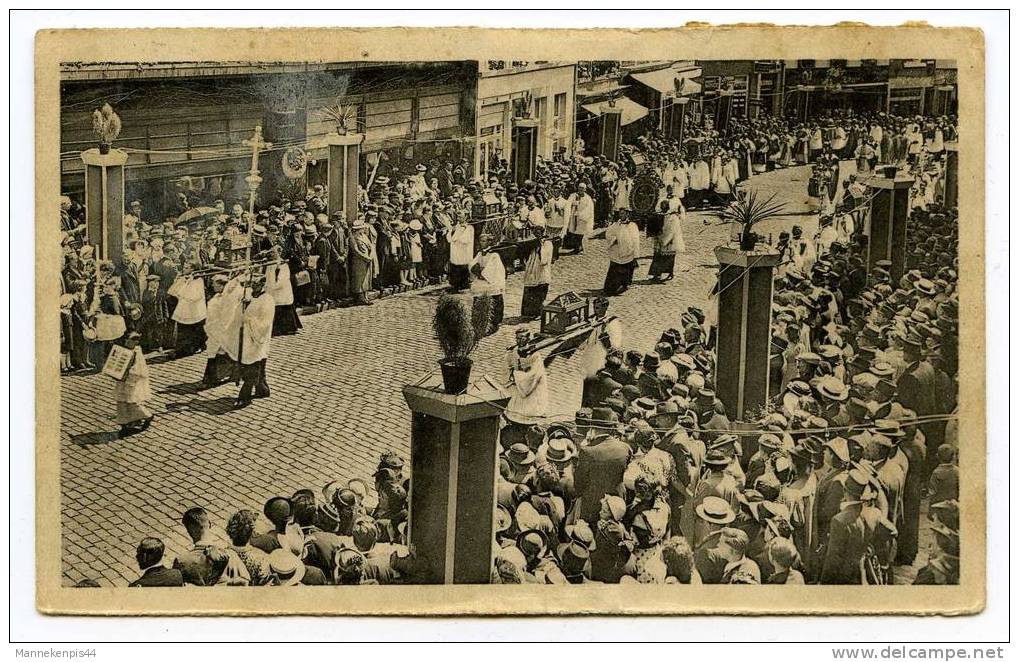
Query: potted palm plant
pixel 106 127
pixel 747 210
pixel 458 331
pixel 344 117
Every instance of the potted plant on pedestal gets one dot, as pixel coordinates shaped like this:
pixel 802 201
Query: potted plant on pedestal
pixel 106 127
pixel 343 116
pixel 747 210
pixel 458 331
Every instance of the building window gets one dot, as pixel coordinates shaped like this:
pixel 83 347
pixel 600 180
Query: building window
pixel 560 105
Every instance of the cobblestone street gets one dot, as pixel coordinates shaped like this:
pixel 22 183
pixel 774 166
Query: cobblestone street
pixel 336 404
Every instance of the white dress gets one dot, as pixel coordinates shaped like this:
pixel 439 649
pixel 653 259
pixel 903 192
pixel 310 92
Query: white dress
pixel 679 212
pixel 529 402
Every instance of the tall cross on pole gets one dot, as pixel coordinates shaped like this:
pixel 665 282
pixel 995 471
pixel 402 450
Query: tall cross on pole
pixel 253 179
pixel 256 143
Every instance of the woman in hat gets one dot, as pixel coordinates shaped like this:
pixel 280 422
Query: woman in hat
pixel 611 554
pixel 364 262
pixel 649 531
pixel 413 250
pixel 132 391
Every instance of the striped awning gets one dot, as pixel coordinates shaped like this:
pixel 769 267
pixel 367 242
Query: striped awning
pixel 632 111
pixel 666 80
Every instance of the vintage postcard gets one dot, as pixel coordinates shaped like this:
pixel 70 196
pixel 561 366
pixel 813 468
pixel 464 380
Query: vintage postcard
pixel 393 321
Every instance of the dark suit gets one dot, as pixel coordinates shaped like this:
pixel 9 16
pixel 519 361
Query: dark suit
pixel 599 472
pixel 597 388
pixel 917 390
pixel 650 386
pixel 713 424
pixel 203 565
pixel 711 558
pixel 827 499
pixel 321 549
pixel 314 577
pixel 909 529
pixel 159 576
pixel 267 542
pixel 130 281
pixel 609 560
pixel 850 535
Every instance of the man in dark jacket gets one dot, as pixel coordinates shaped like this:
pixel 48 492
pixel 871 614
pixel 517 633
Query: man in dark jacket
pixel 324 249
pixel 338 265
pixel 915 451
pixel 917 391
pixel 856 536
pixel 154 573
pixel 601 464
pixel 204 563
pixel 598 388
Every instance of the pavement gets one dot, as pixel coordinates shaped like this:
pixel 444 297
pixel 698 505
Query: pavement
pixel 336 403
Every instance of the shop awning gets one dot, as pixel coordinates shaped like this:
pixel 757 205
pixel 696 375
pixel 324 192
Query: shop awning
pixel 667 80
pixel 632 111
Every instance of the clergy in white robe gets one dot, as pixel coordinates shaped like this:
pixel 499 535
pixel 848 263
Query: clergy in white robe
pixel 529 393
pixel 249 337
pixel 489 277
pixel 277 283
pixel 219 315
pixel 189 314
pixel 669 241
pixel 581 222
pixel 461 253
pixel 623 239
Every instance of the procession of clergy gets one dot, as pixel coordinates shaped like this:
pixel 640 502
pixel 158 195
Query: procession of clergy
pixel 649 482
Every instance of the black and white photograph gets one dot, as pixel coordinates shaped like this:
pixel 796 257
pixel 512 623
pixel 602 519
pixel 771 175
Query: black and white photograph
pixel 696 322
pixel 375 322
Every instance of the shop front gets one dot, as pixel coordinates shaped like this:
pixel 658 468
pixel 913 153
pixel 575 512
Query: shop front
pixel 539 96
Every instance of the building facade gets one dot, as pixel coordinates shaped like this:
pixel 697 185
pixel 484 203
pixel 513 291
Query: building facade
pixel 508 92
pixel 900 87
pixel 184 123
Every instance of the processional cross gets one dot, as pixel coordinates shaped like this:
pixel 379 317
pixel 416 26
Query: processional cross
pixel 253 179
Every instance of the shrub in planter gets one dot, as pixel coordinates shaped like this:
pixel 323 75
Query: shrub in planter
pixel 458 331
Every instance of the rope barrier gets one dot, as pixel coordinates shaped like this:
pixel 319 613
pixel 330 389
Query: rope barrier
pixel 567 419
